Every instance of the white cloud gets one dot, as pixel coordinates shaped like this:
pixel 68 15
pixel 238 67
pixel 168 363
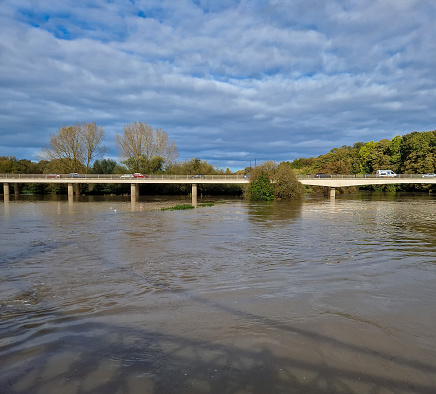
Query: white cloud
pixel 257 79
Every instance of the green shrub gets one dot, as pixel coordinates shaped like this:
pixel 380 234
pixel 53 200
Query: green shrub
pixel 261 189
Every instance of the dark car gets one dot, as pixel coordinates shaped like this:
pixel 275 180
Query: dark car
pixel 197 177
pixel 75 175
pixel 322 175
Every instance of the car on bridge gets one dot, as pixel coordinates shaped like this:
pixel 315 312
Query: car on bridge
pixel 385 174
pixel 53 176
pixel 322 175
pixel 75 175
pixel 429 175
pixel 197 177
pixel 126 176
pixel 139 175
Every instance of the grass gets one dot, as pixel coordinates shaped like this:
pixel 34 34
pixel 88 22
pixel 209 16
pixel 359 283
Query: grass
pixel 188 206
pixel 178 207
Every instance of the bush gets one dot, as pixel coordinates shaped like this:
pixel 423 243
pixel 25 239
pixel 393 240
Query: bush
pixel 261 189
pixel 270 181
pixel 286 184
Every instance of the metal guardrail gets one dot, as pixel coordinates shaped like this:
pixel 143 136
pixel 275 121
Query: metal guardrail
pixel 117 176
pixel 218 177
pixel 365 176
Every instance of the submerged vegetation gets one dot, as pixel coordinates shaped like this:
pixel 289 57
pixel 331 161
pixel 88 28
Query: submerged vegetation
pixel 189 206
pixel 178 207
pixel 270 181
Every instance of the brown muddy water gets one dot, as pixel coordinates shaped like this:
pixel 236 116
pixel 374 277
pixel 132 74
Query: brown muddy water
pixel 102 296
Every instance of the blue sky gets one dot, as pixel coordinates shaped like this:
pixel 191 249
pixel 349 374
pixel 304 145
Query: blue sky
pixel 229 81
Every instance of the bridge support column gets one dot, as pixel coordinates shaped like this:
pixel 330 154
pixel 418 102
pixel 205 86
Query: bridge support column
pixel 77 189
pixel 134 192
pixel 194 194
pixel 6 190
pixel 70 191
pixel 16 189
pixel 332 193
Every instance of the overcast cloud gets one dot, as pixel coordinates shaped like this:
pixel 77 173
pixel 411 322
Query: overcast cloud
pixel 230 81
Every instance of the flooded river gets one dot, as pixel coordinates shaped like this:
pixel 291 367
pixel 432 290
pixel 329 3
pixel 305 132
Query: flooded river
pixel 106 296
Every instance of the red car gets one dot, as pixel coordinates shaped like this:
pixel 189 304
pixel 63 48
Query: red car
pixel 139 175
pixel 52 176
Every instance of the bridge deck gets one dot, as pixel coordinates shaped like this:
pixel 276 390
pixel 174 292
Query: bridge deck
pixel 93 178
pixel 331 181
pixel 364 180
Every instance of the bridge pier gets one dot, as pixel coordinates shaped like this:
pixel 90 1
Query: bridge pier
pixel 194 195
pixel 70 191
pixel 134 192
pixel 16 189
pixel 6 190
pixel 330 192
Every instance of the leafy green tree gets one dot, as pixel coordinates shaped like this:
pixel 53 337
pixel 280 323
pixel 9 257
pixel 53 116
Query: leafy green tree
pixel 269 181
pixel 105 166
pixel 145 165
pixel 6 164
pixel 419 152
pixel 193 166
pixel 364 153
pixel 395 147
pixel 285 183
pixel 338 161
pixel 378 157
pixel 261 189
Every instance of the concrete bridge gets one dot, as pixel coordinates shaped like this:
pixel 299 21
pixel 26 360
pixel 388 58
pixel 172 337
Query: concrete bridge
pixel 74 182
pixel 330 182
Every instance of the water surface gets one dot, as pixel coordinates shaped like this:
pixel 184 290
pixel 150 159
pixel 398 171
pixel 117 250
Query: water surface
pixel 105 296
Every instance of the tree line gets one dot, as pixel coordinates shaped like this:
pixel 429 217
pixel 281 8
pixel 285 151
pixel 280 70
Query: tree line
pixel 412 153
pixel 78 148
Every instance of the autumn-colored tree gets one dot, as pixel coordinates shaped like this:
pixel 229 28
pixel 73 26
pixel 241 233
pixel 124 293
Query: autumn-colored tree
pixel 193 166
pixel 285 183
pixel 139 141
pixel 74 147
pixel 419 152
pixel 270 180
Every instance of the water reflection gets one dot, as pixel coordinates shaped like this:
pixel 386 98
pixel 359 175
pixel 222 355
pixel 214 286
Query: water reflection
pixel 109 296
pixel 274 210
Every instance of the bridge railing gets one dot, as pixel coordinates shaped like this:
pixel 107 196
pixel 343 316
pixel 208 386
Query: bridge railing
pixel 115 176
pixel 360 176
pixel 211 177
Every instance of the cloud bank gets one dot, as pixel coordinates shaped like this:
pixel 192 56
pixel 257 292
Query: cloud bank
pixel 230 81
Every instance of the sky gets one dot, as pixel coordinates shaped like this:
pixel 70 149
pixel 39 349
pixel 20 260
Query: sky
pixel 232 82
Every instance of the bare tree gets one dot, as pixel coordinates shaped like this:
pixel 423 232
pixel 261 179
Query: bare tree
pixel 91 136
pixel 139 140
pixel 74 147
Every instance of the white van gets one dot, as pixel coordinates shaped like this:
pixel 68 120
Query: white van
pixel 385 174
